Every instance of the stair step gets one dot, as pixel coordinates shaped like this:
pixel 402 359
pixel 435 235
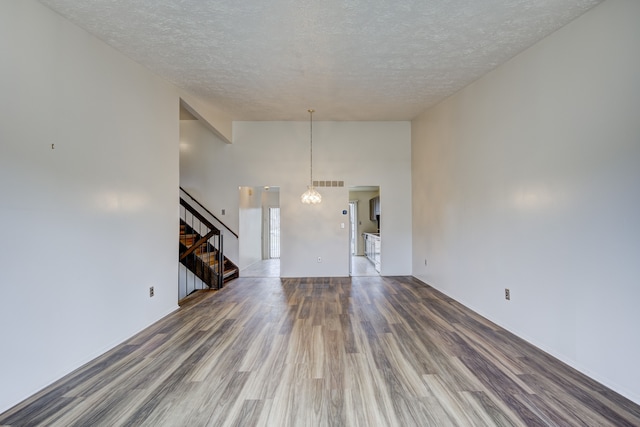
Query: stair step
pixel 202 250
pixel 210 258
pixel 188 238
pixel 228 273
pixel 206 256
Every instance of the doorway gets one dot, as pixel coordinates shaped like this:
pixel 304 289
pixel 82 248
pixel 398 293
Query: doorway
pixel 260 231
pixel 273 233
pixel 364 231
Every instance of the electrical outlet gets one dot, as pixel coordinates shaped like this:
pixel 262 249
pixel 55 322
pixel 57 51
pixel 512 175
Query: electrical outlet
pixel 507 294
pixel 319 259
pixel 151 291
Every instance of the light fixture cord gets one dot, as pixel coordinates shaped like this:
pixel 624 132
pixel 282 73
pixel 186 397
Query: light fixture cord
pixel 311 150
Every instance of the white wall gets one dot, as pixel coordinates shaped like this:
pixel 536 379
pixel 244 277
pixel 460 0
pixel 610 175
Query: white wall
pixel 250 226
pixel 309 232
pixel 529 179
pixel 89 226
pixel 277 153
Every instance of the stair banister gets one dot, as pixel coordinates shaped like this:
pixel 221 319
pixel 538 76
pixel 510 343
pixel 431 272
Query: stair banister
pixel 202 251
pixel 209 212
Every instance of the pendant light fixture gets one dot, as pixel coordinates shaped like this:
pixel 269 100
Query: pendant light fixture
pixel 311 196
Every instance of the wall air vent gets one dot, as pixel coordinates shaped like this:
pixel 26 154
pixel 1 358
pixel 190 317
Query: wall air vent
pixel 328 183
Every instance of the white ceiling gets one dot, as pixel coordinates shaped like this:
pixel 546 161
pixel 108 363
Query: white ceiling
pixel 347 59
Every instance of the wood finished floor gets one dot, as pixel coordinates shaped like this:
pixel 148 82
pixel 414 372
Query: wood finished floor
pixel 371 351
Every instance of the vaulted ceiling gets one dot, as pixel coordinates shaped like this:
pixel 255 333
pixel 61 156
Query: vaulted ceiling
pixel 348 59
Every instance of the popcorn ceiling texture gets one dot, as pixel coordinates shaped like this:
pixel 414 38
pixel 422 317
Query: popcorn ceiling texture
pixel 348 59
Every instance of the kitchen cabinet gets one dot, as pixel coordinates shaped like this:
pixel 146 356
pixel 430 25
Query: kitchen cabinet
pixel 372 249
pixel 374 208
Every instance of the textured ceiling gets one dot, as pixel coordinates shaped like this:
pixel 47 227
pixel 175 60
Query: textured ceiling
pixel 348 59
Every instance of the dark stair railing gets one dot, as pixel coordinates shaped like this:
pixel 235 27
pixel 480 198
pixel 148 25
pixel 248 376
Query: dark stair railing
pixel 194 200
pixel 201 249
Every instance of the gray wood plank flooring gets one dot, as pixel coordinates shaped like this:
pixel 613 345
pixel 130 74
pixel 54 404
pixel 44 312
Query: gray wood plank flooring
pixel 365 351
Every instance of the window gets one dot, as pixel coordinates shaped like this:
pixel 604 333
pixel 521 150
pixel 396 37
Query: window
pixel 274 233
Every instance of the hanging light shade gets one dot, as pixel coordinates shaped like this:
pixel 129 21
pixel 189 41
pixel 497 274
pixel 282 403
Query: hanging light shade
pixel 311 196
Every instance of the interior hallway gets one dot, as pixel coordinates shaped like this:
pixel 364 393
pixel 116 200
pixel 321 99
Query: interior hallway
pixel 264 268
pixel 360 267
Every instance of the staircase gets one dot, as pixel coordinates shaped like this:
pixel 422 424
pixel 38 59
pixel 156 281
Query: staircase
pixel 201 250
pixel 198 254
